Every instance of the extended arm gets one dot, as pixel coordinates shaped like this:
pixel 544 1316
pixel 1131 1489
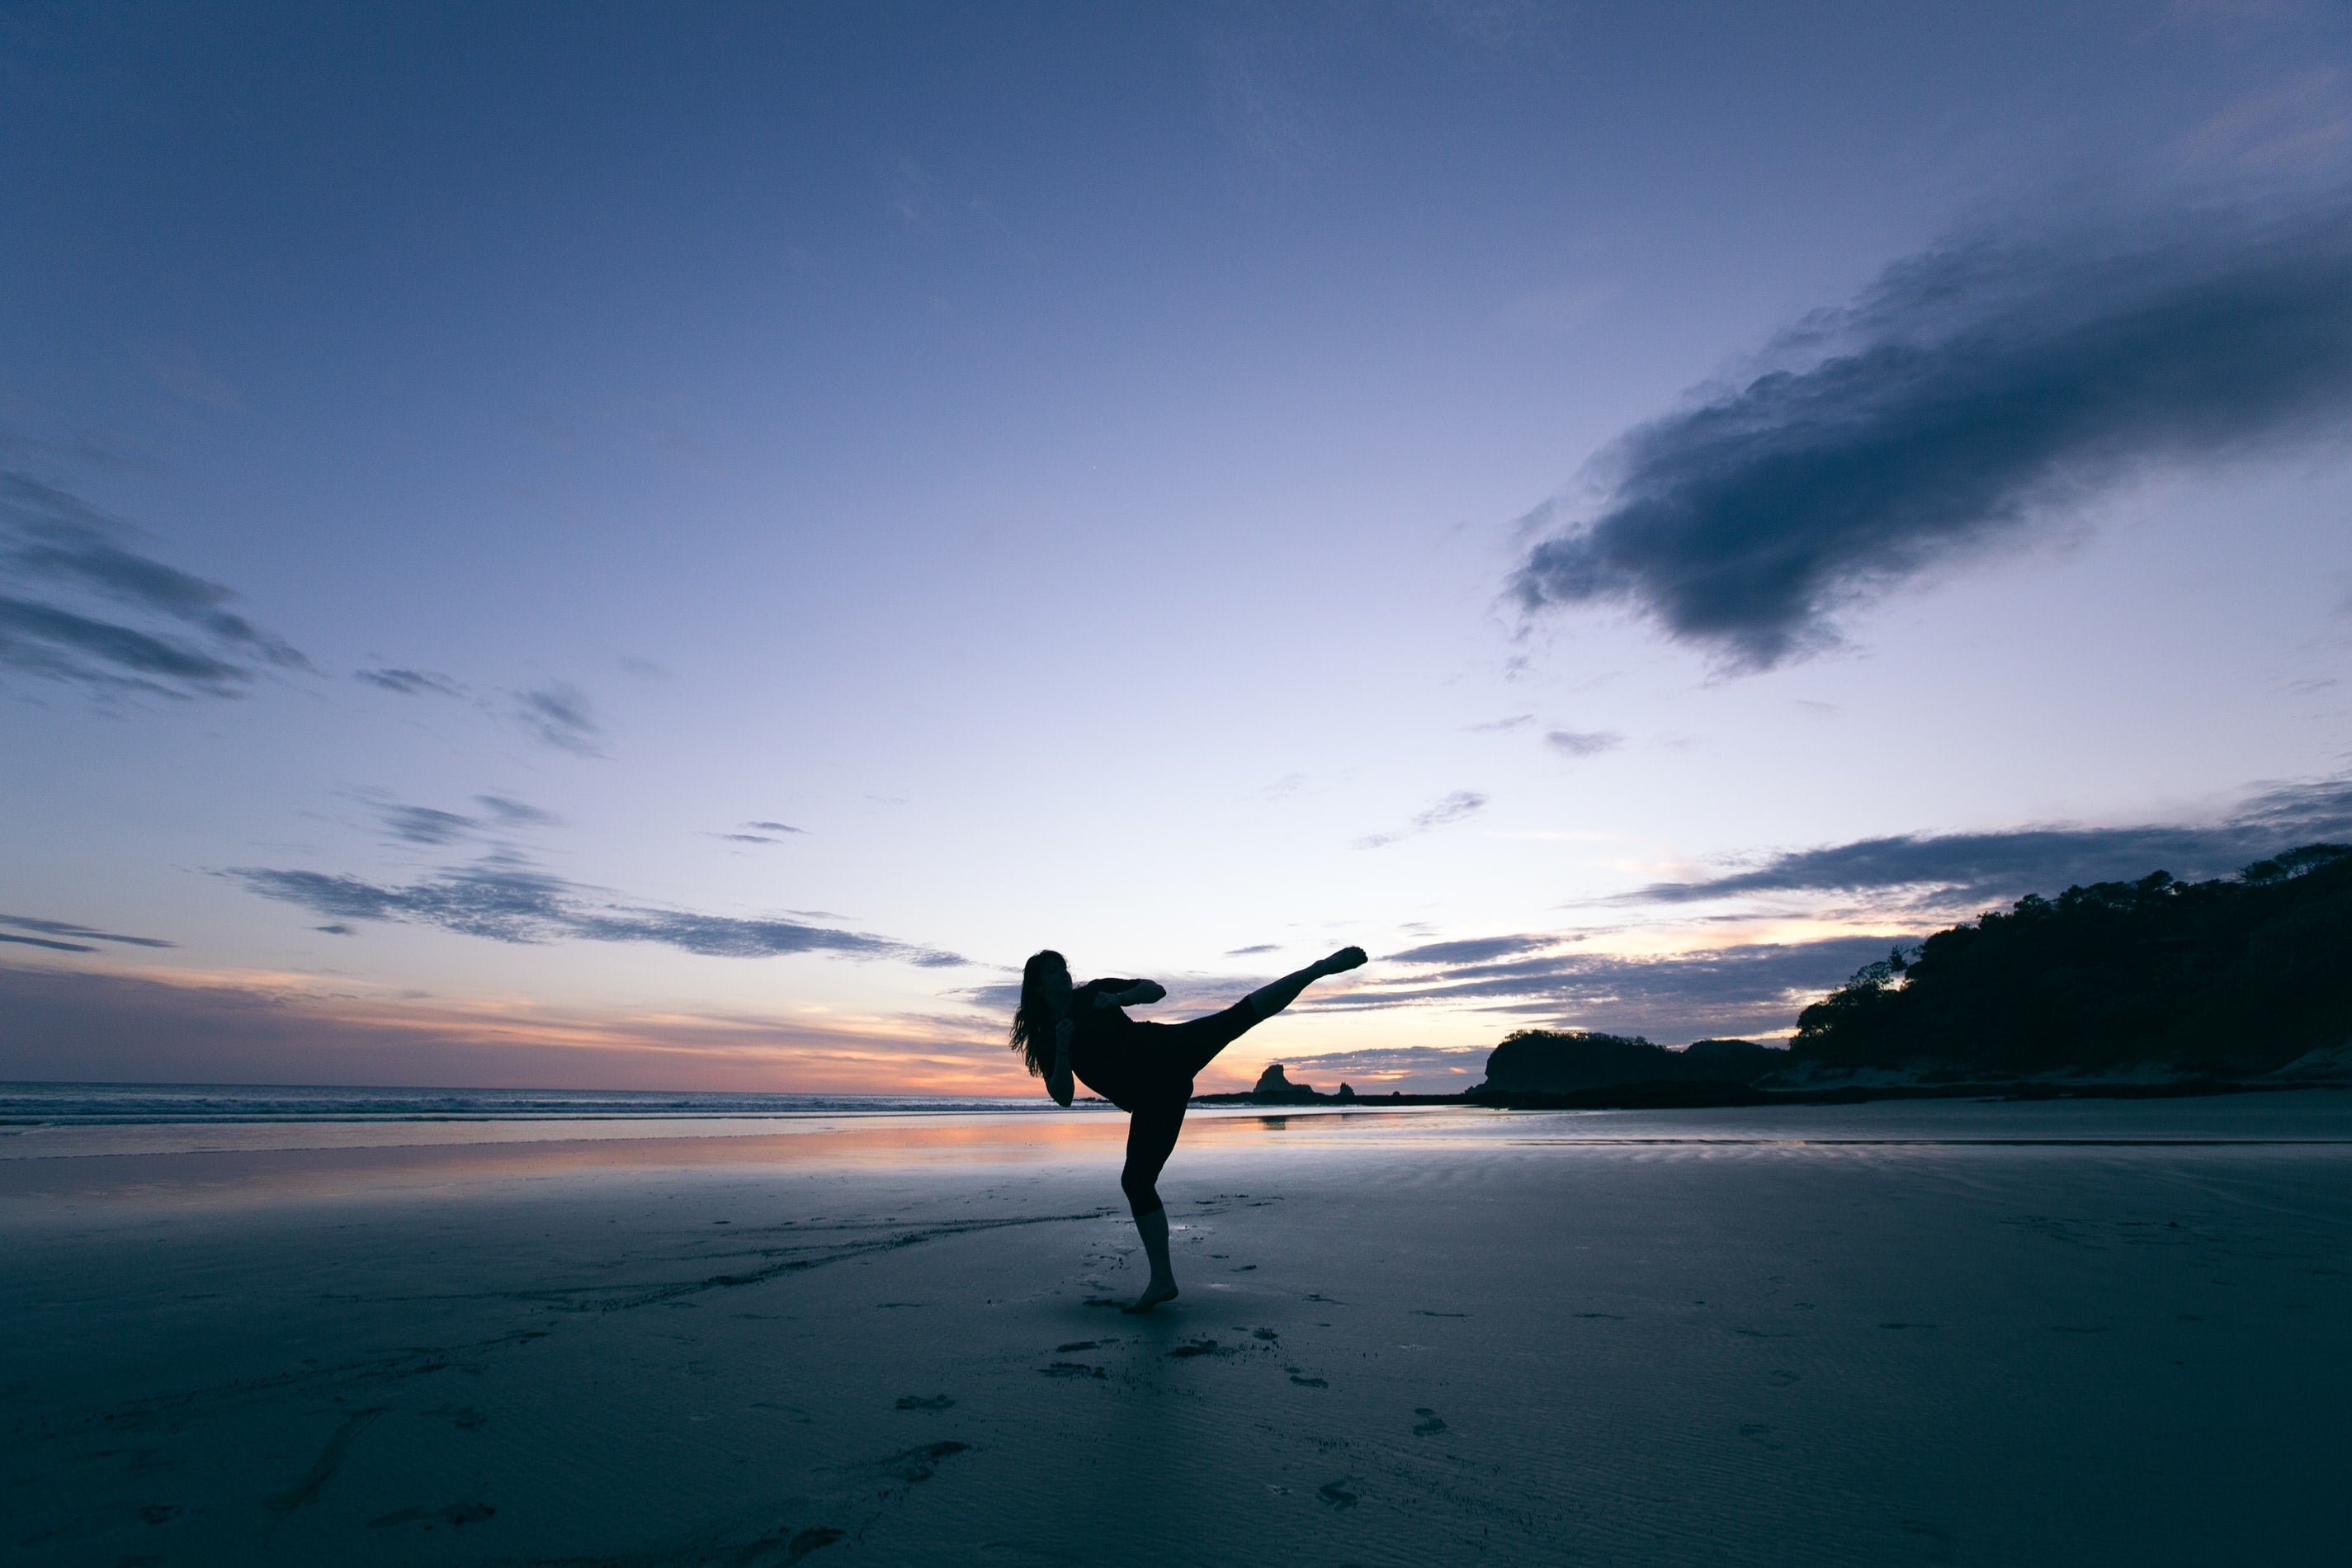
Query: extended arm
pixel 1143 994
pixel 1058 1082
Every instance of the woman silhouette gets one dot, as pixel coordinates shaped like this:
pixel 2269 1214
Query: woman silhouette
pixel 1145 1069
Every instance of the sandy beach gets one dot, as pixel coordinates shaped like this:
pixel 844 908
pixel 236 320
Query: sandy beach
pixel 2060 1332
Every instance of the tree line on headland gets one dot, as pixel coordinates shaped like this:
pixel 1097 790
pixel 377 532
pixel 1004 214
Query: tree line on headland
pixel 2221 980
pixel 2239 975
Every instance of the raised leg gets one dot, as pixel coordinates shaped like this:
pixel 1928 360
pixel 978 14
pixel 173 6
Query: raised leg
pixel 1271 999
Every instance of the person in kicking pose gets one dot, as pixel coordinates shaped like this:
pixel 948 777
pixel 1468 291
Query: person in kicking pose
pixel 1145 1069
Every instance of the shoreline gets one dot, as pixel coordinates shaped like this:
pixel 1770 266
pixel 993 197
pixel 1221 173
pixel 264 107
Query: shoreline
pixel 1678 1094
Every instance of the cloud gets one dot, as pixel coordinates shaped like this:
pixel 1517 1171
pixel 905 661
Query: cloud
pixel 559 715
pixel 1253 948
pixel 1973 869
pixel 1452 808
pixel 68 929
pixel 760 833
pixel 1413 1069
pixel 1516 722
pixel 410 682
pixel 1746 989
pixel 1964 401
pixel 1584 743
pixel 423 824
pixel 516 814
pixel 179 372
pixel 79 604
pixel 432 826
pixel 504 899
pixel 1477 949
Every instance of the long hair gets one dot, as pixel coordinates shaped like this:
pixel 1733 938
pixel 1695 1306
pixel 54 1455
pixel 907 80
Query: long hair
pixel 1033 1020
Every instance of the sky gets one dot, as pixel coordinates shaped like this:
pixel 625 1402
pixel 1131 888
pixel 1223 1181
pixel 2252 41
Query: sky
pixel 590 546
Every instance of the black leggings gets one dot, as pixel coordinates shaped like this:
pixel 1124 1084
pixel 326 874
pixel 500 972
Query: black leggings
pixel 1175 1052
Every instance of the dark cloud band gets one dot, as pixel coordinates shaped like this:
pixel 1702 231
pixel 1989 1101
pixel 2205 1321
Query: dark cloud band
pixel 1747 989
pixel 1973 869
pixel 79 604
pixel 68 929
pixel 1973 390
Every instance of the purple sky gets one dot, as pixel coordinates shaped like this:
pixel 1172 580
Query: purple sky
pixel 605 546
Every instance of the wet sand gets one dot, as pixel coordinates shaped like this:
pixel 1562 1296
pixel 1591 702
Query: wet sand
pixel 2107 1332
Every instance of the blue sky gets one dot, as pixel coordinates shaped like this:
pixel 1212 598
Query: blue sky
pixel 603 546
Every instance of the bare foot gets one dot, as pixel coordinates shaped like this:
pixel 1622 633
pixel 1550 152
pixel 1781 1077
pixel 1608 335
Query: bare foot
pixel 1159 1290
pixel 1340 963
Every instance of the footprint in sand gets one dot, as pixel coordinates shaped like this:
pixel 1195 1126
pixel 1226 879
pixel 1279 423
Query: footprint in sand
pixel 916 1402
pixel 808 1541
pixel 1429 1425
pixel 912 1465
pixel 1071 1369
pixel 1304 1381
pixel 1199 1347
pixel 1336 1494
pixel 305 1491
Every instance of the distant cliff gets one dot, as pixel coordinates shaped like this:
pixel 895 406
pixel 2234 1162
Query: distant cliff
pixel 1275 1087
pixel 2238 976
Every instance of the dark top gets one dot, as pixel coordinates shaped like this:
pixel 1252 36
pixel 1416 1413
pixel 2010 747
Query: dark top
pixel 1104 1051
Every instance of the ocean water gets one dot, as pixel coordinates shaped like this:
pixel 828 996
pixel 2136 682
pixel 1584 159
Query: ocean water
pixel 36 1105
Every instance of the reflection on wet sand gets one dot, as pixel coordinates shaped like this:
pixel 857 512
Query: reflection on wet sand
pixel 263 1161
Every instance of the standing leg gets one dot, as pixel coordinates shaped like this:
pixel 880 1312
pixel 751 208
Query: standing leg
pixel 1268 1000
pixel 1150 1138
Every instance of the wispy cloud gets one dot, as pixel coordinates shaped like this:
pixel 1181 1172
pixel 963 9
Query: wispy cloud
pixel 178 371
pixel 1452 808
pixel 559 715
pixel 505 898
pixel 1441 1069
pixel 79 604
pixel 511 813
pixel 1475 950
pixel 1973 869
pixel 55 934
pixel 411 683
pixel 1583 743
pixel 760 833
pixel 1964 400
pixel 430 824
pixel 425 825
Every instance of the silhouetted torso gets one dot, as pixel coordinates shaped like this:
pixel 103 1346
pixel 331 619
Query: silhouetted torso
pixel 1104 1051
